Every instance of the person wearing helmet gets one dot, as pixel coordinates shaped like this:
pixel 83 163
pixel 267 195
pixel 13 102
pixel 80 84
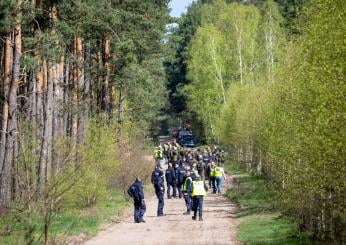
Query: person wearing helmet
pixel 199 190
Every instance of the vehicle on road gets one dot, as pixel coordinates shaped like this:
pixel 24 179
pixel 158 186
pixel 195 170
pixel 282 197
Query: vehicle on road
pixel 184 137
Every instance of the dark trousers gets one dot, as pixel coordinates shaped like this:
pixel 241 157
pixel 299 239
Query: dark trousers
pixel 187 199
pixel 169 185
pixel 139 210
pixel 175 186
pixel 212 181
pixel 197 205
pixel 179 187
pixel 160 196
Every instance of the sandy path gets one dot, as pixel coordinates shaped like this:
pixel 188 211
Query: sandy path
pixel 218 227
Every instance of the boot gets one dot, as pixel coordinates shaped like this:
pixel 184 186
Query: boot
pixel 142 221
pixel 194 217
pixel 200 219
pixel 186 213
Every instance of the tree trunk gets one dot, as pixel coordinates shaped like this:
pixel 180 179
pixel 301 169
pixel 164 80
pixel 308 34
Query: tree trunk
pixel 120 114
pixel 106 66
pixel 6 184
pixel 58 111
pixel 45 154
pixel 76 76
pixel 82 92
pixel 8 51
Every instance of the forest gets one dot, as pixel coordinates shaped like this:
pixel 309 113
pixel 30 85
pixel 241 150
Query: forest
pixel 87 86
pixel 267 80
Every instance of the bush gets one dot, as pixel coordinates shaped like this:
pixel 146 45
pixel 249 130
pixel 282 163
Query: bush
pixel 98 162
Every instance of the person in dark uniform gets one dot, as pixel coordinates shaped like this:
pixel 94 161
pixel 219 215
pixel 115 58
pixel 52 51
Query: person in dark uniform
pixel 170 179
pixel 180 180
pixel 156 173
pixel 175 185
pixel 136 192
pixel 159 186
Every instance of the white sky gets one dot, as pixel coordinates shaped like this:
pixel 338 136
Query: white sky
pixel 178 7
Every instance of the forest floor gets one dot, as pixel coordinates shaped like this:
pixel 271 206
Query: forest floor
pixel 219 225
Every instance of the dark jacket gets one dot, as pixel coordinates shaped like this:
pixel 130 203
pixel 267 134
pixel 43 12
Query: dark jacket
pixel 170 175
pixel 181 175
pixel 155 174
pixel 136 191
pixel 206 159
pixel 159 185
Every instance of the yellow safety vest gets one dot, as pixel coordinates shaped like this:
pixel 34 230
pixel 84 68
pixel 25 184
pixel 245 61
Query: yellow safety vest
pixel 158 154
pixel 218 172
pixel 198 188
pixel 185 183
pixel 212 172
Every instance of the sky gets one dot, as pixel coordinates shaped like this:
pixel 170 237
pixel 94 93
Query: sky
pixel 179 6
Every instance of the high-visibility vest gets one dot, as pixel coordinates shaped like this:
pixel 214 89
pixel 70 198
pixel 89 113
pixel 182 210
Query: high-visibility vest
pixel 218 172
pixel 185 183
pixel 198 188
pixel 212 172
pixel 158 154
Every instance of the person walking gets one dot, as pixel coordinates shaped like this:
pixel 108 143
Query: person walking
pixel 199 190
pixel 170 179
pixel 180 180
pixel 187 190
pixel 219 176
pixel 212 181
pixel 136 192
pixel 159 186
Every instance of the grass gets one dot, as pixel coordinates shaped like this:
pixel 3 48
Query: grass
pixel 260 220
pixel 72 222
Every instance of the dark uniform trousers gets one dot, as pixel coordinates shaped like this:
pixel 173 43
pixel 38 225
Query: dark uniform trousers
pixel 160 196
pixel 187 199
pixel 169 185
pixel 197 205
pixel 139 210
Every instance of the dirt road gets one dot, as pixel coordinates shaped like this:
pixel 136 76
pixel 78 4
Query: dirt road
pixel 218 227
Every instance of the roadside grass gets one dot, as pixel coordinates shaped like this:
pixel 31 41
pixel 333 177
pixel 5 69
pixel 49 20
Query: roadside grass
pixel 260 220
pixel 15 229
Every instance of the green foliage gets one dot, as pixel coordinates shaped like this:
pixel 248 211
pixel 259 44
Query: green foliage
pixel 225 54
pixel 260 220
pixel 283 113
pixel 146 92
pixel 6 16
pixel 306 133
pixel 179 38
pixel 269 229
pixel 28 226
pixel 98 161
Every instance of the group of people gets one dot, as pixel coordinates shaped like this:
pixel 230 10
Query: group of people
pixel 186 177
